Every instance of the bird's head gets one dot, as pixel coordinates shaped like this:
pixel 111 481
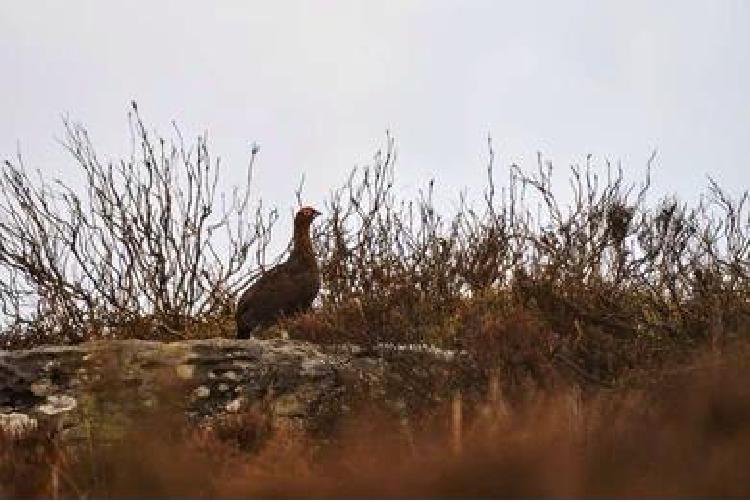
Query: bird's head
pixel 305 216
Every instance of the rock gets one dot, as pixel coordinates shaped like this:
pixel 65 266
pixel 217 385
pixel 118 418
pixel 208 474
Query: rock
pixel 185 371
pixel 17 424
pixel 40 389
pixel 234 405
pixel 57 404
pixel 289 405
pixel 111 383
pixel 315 367
pixel 202 392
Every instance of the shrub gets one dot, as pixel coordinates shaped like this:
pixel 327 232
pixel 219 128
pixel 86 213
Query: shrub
pixel 150 242
pixel 602 285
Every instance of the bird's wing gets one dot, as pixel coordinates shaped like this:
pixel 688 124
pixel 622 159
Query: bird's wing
pixel 272 292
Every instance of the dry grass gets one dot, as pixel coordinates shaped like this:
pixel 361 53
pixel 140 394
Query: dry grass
pixel 686 436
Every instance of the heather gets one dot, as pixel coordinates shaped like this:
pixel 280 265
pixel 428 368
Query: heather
pixel 587 323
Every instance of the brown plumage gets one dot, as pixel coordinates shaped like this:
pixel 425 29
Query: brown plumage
pixel 287 288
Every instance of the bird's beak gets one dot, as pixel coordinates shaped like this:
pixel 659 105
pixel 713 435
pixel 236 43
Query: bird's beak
pixel 316 213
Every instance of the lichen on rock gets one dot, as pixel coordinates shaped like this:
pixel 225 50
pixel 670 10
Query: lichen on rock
pixel 57 404
pixel 110 383
pixel 17 424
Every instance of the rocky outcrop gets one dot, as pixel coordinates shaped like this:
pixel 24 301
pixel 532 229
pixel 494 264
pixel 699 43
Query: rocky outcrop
pixel 114 381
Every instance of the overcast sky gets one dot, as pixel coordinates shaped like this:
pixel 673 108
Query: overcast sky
pixel 317 84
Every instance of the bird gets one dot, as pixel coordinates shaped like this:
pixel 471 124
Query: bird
pixel 286 289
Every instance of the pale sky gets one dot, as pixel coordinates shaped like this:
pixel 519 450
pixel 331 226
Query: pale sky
pixel 316 84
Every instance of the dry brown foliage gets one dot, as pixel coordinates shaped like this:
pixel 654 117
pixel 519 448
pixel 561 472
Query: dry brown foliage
pixel 600 287
pixel 686 436
pixel 150 240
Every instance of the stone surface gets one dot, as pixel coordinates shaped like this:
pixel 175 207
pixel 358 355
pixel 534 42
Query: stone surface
pixel 57 404
pixel 17 424
pixel 108 383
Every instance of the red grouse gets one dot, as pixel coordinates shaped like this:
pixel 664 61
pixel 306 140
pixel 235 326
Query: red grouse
pixel 287 288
